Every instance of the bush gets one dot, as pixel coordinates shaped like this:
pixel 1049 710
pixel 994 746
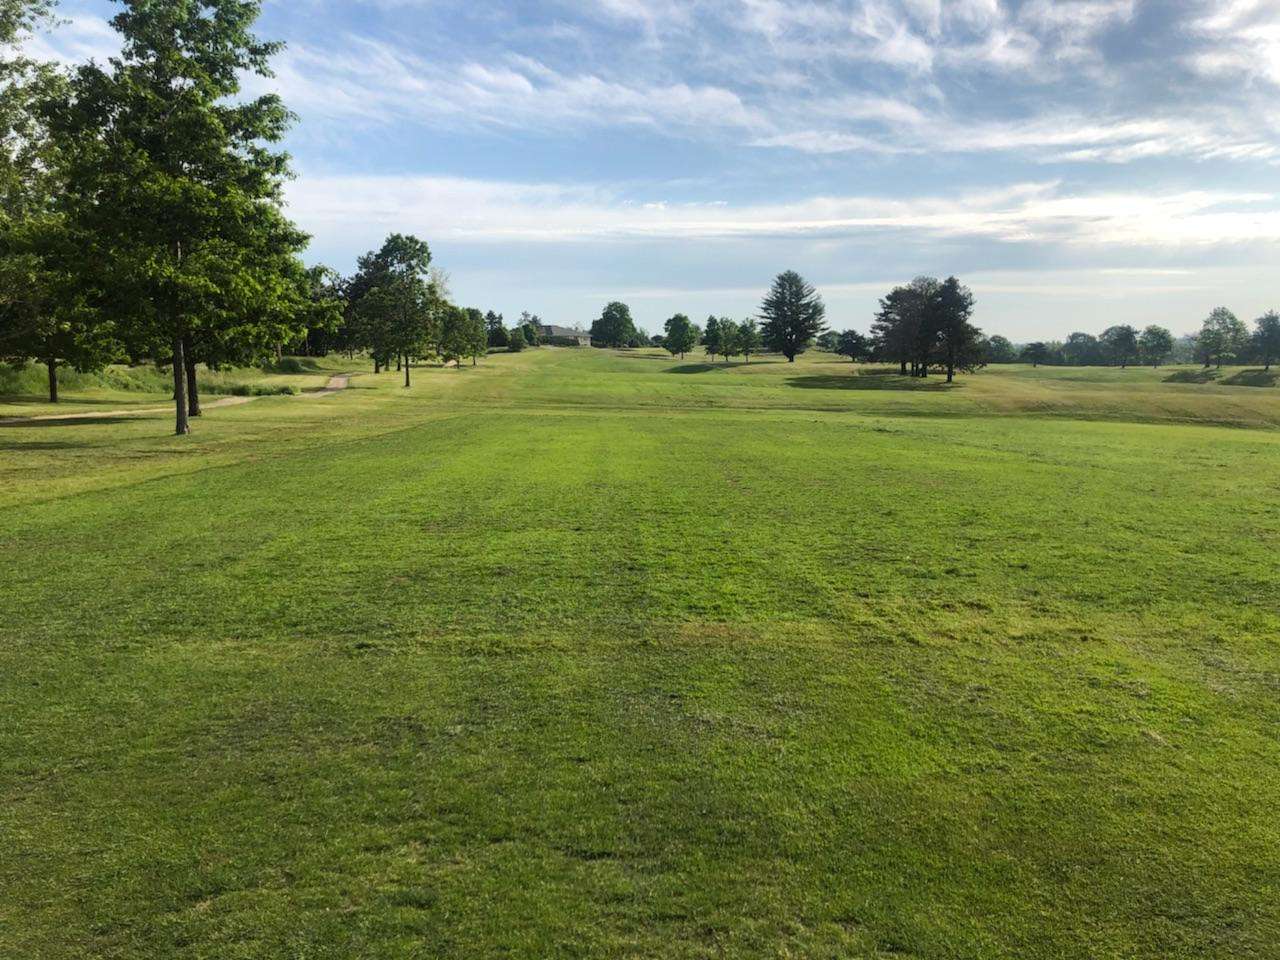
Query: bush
pixel 516 342
pixel 291 365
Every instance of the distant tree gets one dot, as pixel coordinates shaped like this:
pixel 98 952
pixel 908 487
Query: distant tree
pixel 1266 338
pixel 905 328
pixel 476 334
pixel 1120 343
pixel 828 341
pixel 404 316
pixel 960 342
pixel 497 333
pixel 1223 337
pixel 749 338
pixel 730 337
pixel 711 337
pixel 853 345
pixel 680 335
pixel 1000 350
pixel 1036 353
pixel 614 327
pixel 529 325
pixel 323 307
pixel 792 315
pixel 1081 350
pixel 1155 343
pixel 516 341
pixel 452 343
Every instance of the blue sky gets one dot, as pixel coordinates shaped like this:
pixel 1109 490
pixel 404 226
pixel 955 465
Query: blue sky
pixel 1078 163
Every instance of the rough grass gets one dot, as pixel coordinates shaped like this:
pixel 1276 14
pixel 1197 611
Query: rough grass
pixel 575 655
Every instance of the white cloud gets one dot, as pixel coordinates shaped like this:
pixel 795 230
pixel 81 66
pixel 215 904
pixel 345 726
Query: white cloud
pixel 1037 213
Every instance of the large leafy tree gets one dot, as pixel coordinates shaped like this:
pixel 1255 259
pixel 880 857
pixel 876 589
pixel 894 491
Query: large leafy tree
pixel 26 163
pixel 1266 338
pixel 1222 338
pixel 1037 353
pixel 614 327
pixel 1081 350
pixel 853 345
pixel 905 327
pixel 1155 343
pixel 711 336
pixel 1000 350
pixel 1120 344
pixel 172 172
pixel 729 341
pixel 46 311
pixel 791 316
pixel 680 335
pixel 396 308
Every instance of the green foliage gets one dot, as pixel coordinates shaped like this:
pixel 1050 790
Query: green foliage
pixel 853 345
pixel 1266 338
pixel 1155 343
pixel 680 335
pixel 169 171
pixel 711 337
pixel 1036 353
pixel 1222 338
pixel 516 341
pixel 1120 344
pixel 614 327
pixel 750 340
pixel 1000 350
pixel 791 315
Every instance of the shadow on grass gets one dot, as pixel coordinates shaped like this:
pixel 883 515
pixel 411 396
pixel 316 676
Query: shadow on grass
pixel 869 380
pixel 720 365
pixel 1192 376
pixel 1253 378
pixel 72 421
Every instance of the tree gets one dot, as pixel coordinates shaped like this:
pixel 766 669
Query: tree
pixel 529 327
pixel 614 327
pixel 1000 350
pixel 829 341
pixel 170 171
pixel 959 341
pixel 729 339
pixel 711 336
pixel 496 332
pixel 455 335
pixel 749 338
pixel 792 315
pixel 398 309
pixel 905 328
pixel 680 335
pixel 1120 343
pixel 853 345
pixel 46 313
pixel 516 341
pixel 25 84
pixel 1223 337
pixel 1155 343
pixel 476 334
pixel 1266 338
pixel 1081 350
pixel 1036 353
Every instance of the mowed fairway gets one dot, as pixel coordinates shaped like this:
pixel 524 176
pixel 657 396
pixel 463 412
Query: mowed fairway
pixel 583 654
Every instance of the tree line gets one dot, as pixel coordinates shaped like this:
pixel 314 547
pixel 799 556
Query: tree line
pixel 142 216
pixel 1222 338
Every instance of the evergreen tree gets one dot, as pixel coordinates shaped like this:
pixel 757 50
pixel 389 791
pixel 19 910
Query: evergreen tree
pixel 959 341
pixel 792 315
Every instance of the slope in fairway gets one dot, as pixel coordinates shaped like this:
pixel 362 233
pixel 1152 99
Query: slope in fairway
pixel 591 654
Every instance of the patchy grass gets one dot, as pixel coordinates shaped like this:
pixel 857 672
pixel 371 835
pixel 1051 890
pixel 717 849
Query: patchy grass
pixel 568 656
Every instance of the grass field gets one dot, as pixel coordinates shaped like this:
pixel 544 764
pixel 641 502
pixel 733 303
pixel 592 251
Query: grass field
pixel 583 654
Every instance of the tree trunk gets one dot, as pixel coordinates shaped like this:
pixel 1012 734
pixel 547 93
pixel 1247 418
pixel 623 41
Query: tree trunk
pixel 406 372
pixel 903 371
pixel 193 389
pixel 951 372
pixel 377 365
pixel 397 363
pixel 183 425
pixel 53 379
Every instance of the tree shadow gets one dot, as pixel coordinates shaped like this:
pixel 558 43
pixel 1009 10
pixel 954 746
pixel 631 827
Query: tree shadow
pixel 72 421
pixel 1253 378
pixel 694 368
pixel 870 381
pixel 1192 376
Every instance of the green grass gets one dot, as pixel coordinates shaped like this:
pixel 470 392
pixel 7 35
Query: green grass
pixel 24 391
pixel 587 654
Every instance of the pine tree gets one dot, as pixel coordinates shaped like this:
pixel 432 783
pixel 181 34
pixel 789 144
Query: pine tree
pixel 792 315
